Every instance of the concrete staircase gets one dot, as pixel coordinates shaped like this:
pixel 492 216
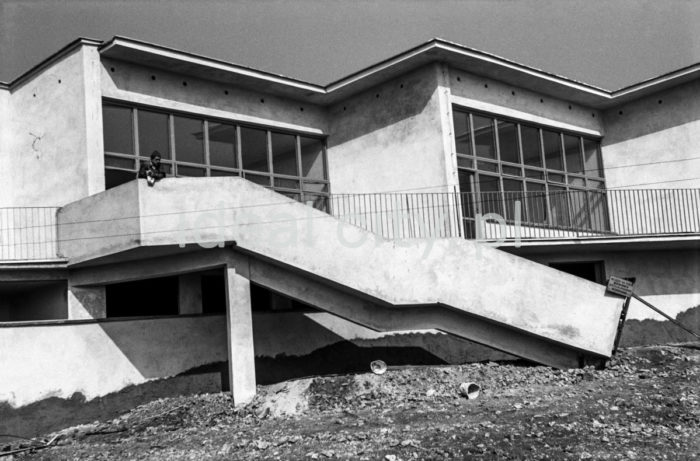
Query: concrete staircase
pixel 454 285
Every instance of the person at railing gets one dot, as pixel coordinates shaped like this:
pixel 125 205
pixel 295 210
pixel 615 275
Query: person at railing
pixel 153 171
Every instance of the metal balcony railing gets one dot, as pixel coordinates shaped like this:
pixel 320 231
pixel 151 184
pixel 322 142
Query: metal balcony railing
pixel 523 215
pixel 28 234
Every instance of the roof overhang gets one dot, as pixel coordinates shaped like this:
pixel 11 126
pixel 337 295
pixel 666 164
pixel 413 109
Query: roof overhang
pixel 434 51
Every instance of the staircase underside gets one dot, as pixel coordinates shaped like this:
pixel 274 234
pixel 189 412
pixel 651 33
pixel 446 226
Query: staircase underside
pixel 456 286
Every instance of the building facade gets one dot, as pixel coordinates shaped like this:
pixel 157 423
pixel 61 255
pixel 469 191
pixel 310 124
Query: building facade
pixel 417 157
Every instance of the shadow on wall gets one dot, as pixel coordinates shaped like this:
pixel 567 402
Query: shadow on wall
pixel 650 332
pixel 383 106
pixel 55 413
pixel 652 116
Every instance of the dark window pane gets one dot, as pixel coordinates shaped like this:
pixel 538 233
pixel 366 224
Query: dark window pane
pixel 189 140
pixel 462 137
pixel 555 177
pixel 576 181
pixel 559 206
pixel 222 145
pixel 312 160
pixel 153 133
pixel 223 173
pixel 531 145
pixel 591 155
pixel 552 150
pixel 286 183
pixel 491 198
pixel 572 150
pixel 113 178
pixel 511 170
pixel 513 197
pixel 118 130
pixel 120 162
pixel 254 149
pixel 487 166
pixel 190 171
pixel 465 162
pixel 316 187
pixel 536 203
pixel 258 179
pixel 599 210
pixel 508 142
pixel 466 178
pixel 578 207
pixel 596 184
pixel 534 174
pixel 284 154
pixel 483 136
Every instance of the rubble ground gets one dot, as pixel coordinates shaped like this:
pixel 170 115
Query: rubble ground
pixel 644 405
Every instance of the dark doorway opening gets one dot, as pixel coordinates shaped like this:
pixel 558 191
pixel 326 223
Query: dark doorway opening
pixel 589 270
pixel 151 297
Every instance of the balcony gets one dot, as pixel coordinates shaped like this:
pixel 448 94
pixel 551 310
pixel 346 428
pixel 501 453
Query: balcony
pixel 525 216
pixel 30 234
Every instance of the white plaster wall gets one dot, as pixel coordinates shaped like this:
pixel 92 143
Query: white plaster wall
pixel 95 359
pixel 133 83
pixel 668 279
pixel 645 143
pixel 389 138
pixel 5 164
pixel 48 149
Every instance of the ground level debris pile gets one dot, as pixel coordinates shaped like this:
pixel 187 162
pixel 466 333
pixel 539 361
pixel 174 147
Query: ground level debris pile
pixel 645 405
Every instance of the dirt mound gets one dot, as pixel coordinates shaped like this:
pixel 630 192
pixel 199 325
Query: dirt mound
pixel 645 405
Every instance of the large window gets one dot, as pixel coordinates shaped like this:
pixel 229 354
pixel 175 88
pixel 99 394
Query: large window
pixel 556 176
pixel 290 163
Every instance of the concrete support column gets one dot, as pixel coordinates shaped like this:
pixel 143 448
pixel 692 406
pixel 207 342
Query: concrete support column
pixel 239 322
pixel 190 294
pixel 87 302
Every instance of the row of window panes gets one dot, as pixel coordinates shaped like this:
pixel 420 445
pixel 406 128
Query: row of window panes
pixel 193 146
pixel 487 140
pixel 540 203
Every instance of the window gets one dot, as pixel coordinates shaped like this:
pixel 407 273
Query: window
pixel 289 163
pixel 555 175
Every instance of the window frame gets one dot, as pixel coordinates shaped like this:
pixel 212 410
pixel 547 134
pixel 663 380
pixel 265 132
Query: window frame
pixel 470 163
pixel 207 166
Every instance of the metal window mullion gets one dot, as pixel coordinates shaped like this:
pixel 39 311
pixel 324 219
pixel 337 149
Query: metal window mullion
pixel 135 140
pixel 497 144
pixel 562 157
pixel 472 141
pixel 207 163
pixel 519 140
pixel 271 168
pixel 238 152
pixel 582 160
pixel 297 147
pixel 171 140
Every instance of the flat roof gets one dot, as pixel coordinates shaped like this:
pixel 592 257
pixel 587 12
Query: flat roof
pixel 436 50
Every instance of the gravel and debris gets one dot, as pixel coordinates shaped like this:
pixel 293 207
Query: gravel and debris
pixel 644 405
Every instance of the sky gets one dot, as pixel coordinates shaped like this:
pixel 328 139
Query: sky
pixel 610 44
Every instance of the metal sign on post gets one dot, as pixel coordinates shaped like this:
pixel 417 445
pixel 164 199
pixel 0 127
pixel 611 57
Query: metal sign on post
pixel 620 286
